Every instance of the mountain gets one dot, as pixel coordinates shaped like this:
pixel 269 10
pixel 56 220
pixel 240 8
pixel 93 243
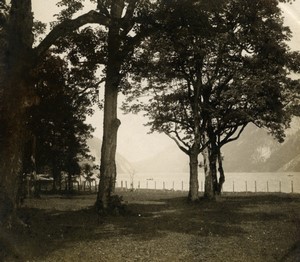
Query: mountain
pixel 123 165
pixel 172 159
pixel 254 151
pixel 257 151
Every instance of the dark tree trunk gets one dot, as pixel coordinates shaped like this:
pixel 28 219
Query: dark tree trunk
pixel 56 177
pixel 213 167
pixel 221 173
pixel 111 123
pixel 208 184
pixel 194 184
pixel 70 182
pixel 214 160
pixel 16 95
pixel 33 166
pixel 209 187
pixel 33 153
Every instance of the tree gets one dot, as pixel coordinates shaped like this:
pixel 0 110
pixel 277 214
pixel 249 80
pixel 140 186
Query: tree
pixel 258 93
pixel 125 23
pixel 122 39
pixel 217 67
pixel 57 122
pixel 15 98
pixel 18 59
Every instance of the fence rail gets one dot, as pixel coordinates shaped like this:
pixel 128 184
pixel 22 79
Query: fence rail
pixel 229 186
pixel 268 186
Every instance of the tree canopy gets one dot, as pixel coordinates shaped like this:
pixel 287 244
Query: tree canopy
pixel 58 121
pixel 215 68
pixel 227 58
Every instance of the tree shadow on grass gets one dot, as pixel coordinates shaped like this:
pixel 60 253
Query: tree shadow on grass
pixel 52 229
pixel 222 218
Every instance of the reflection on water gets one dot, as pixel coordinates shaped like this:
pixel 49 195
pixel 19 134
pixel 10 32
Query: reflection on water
pixel 235 182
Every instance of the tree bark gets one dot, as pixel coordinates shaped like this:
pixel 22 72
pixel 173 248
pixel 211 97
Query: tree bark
pixel 213 167
pixel 214 158
pixel 195 150
pixel 194 184
pixel 221 173
pixel 109 145
pixel 111 123
pixel 209 189
pixel 16 95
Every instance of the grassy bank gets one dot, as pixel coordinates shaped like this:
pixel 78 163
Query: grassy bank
pixel 160 226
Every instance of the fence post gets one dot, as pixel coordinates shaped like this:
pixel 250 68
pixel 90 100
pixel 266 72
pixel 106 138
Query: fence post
pixel 155 185
pixel 147 184
pixel 139 185
pixel 126 184
pixel 122 184
pixel 131 185
pixel 292 186
pixel 246 186
pixel 255 186
pixel 280 186
pixel 163 185
pixel 173 186
pixel 267 186
pixel 233 186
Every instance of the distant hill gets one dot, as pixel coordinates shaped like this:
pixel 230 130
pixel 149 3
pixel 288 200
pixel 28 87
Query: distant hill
pixel 254 151
pixel 172 159
pixel 123 166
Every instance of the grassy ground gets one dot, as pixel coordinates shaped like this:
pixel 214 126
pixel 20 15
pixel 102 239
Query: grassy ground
pixel 161 226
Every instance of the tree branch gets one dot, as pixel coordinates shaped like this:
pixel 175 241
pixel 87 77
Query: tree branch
pixel 228 139
pixel 67 26
pixel 186 151
pixel 90 87
pixel 127 20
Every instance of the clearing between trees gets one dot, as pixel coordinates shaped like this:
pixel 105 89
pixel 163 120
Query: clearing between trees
pixel 158 226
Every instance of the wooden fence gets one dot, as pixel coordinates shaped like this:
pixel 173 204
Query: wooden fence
pixel 229 186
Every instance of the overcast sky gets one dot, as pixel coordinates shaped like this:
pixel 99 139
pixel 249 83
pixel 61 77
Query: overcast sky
pixel 133 141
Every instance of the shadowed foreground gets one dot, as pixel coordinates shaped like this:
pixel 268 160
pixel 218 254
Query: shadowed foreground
pixel 159 226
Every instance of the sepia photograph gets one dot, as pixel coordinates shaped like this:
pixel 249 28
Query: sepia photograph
pixel 149 130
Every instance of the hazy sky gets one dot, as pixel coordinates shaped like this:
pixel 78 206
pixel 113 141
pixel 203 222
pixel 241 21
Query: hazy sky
pixel 133 141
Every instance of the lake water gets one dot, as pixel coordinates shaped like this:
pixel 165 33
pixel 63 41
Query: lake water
pixel 234 182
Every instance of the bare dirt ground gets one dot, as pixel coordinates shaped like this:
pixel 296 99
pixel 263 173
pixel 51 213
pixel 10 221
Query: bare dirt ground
pixel 159 226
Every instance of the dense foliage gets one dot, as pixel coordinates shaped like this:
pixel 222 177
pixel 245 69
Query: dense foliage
pixel 215 68
pixel 58 121
pixel 212 67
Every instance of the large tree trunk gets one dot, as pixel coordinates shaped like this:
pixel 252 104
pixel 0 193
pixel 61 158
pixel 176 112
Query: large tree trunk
pixel 108 151
pixel 111 123
pixel 16 95
pixel 195 150
pixel 214 157
pixel 194 184
pixel 209 187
